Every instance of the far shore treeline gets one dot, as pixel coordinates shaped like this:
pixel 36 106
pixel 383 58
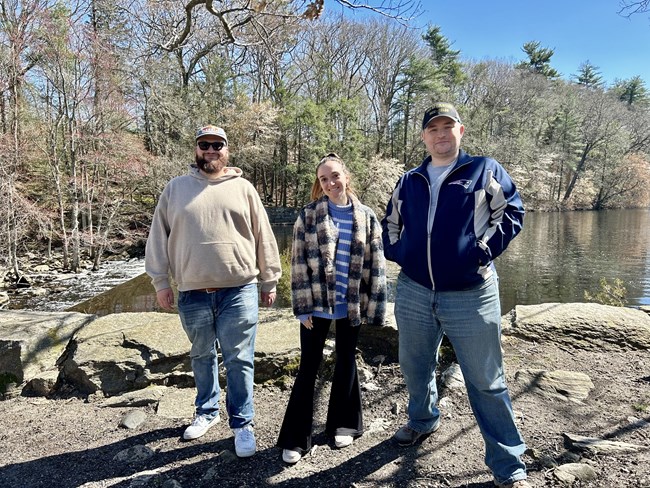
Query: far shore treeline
pixel 99 101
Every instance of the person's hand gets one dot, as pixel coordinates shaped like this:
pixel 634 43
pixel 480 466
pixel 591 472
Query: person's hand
pixel 268 298
pixel 308 323
pixel 165 298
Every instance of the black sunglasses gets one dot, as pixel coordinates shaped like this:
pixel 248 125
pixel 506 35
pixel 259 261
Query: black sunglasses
pixel 204 145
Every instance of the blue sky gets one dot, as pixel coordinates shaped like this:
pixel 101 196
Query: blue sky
pixel 578 30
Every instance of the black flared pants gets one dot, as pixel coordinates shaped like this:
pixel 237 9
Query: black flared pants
pixel 344 416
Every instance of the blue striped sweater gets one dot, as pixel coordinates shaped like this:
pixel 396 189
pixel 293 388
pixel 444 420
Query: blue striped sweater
pixel 318 286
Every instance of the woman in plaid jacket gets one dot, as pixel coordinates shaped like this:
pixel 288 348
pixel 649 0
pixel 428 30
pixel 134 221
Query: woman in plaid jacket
pixel 337 275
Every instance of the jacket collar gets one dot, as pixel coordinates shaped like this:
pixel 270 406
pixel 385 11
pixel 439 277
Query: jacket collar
pixel 463 158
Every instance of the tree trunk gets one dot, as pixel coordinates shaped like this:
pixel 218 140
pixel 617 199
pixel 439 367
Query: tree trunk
pixel 579 168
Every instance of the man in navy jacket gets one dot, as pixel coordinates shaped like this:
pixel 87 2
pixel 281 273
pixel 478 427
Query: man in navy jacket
pixel 446 222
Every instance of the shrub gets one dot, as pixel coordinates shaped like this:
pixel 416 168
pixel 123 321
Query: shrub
pixel 284 285
pixel 609 294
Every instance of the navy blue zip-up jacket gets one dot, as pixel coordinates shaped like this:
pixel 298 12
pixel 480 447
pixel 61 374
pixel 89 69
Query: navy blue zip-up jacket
pixel 478 213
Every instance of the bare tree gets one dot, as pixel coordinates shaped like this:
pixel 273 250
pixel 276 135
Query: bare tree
pixel 248 22
pixel 253 132
pixel 402 11
pixel 78 117
pixel 375 185
pixel 639 131
pixel 389 50
pixel 599 124
pixel 20 25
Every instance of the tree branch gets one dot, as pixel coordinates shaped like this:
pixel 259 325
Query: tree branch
pixel 629 8
pixel 180 38
pixel 399 10
pixel 402 11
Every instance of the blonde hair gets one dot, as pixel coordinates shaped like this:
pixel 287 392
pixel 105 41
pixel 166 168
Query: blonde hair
pixel 317 190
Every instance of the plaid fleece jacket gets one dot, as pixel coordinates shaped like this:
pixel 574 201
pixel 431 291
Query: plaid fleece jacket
pixel 313 268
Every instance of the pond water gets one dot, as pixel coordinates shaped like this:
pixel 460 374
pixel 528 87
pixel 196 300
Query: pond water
pixel 555 259
pixel 560 255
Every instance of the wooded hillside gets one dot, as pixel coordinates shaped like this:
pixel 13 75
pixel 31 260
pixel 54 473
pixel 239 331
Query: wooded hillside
pixel 99 101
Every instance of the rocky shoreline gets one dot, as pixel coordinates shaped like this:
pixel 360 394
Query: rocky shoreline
pixel 113 399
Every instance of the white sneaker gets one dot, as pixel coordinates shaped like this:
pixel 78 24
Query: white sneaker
pixel 290 456
pixel 343 440
pixel 199 426
pixel 245 441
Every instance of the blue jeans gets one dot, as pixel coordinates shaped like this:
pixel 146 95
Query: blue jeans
pixel 471 319
pixel 228 318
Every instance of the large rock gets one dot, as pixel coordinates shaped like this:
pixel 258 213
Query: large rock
pixel 123 352
pixel 563 385
pixel 31 343
pixel 580 325
pixel 596 445
pixel 277 345
pixel 128 351
pixel 120 353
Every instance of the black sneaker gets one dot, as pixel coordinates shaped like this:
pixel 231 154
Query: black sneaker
pixel 407 436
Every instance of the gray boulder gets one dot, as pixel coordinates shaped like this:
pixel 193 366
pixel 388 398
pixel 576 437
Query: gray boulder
pixel 125 352
pixel 569 473
pixel 562 385
pixel 580 325
pixel 128 351
pixel 595 445
pixel 30 345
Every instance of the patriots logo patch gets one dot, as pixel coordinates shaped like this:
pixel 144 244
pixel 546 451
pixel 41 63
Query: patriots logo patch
pixel 464 183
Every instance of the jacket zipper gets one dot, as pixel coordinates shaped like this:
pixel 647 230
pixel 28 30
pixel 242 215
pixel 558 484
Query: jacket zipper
pixel 429 266
pixel 433 285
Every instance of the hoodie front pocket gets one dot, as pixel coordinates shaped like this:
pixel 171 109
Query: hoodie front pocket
pixel 212 261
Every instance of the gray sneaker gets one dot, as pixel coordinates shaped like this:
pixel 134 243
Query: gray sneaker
pixel 514 484
pixel 407 436
pixel 199 426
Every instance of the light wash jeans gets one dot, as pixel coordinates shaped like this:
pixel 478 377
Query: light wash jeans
pixel 228 318
pixel 471 319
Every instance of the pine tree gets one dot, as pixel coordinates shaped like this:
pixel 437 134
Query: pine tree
pixel 443 57
pixel 539 60
pixel 589 76
pixel 632 91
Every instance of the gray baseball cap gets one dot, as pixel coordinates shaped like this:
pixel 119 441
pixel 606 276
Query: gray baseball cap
pixel 211 130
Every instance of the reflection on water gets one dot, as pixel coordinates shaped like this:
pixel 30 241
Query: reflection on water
pixel 560 255
pixel 555 259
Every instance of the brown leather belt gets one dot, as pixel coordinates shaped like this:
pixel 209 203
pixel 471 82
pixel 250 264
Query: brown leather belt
pixel 208 290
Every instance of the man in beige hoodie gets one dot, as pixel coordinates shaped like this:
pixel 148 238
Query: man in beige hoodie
pixel 211 234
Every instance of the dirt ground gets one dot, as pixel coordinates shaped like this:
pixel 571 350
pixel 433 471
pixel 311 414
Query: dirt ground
pixel 72 443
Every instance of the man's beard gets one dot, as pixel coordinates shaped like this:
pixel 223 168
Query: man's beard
pixel 210 167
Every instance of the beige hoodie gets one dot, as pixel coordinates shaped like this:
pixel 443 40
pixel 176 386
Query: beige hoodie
pixel 211 234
